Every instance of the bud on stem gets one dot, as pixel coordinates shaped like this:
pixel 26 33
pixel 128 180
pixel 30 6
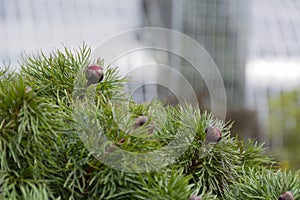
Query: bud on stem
pixel 286 196
pixel 94 74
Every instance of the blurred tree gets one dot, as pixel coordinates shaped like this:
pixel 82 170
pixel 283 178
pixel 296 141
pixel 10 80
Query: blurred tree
pixel 284 126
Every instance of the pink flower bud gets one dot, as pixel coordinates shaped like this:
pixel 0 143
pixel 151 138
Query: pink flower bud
pixel 141 121
pixel 94 74
pixel 286 196
pixel 213 134
pixel 194 197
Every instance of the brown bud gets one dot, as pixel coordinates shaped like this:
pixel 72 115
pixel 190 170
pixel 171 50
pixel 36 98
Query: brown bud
pixel 151 127
pixel 141 121
pixel 94 74
pixel 213 134
pixel 194 197
pixel 286 196
pixel 121 141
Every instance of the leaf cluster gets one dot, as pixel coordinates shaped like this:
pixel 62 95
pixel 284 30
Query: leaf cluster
pixel 53 128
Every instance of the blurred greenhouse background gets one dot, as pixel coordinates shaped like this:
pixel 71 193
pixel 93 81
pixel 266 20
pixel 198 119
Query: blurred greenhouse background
pixel 255 44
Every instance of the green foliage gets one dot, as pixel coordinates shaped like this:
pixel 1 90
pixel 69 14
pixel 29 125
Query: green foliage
pixel 254 155
pixel 29 127
pixel 170 184
pixel 56 73
pixel 212 166
pixel 48 119
pixel 261 183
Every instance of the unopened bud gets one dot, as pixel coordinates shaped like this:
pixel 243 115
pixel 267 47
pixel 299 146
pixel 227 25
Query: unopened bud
pixel 213 134
pixel 94 74
pixel 286 196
